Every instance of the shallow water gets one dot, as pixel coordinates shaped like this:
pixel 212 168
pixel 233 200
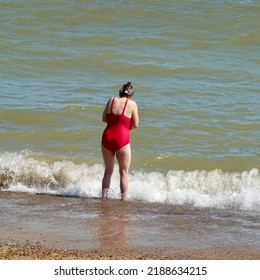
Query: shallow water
pixel 93 223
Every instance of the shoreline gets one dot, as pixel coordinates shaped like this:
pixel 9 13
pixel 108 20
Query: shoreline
pixel 26 251
pixel 47 227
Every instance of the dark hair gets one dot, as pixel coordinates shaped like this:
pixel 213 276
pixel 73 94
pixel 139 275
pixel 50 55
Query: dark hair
pixel 126 90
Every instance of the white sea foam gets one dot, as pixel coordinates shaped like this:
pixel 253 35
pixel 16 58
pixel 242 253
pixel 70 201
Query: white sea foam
pixel 225 190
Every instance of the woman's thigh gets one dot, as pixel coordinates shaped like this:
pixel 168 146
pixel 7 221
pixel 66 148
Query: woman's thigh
pixel 108 158
pixel 124 158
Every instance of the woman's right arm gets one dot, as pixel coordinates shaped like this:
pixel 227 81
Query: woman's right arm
pixel 104 115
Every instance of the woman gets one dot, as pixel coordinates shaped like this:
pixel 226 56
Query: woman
pixel 121 115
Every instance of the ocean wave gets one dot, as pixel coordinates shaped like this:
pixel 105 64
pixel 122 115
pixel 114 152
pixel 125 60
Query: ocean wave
pixel 214 189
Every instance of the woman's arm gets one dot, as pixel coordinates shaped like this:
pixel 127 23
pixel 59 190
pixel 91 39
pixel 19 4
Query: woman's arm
pixel 135 118
pixel 104 115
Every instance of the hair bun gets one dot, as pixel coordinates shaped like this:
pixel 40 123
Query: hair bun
pixel 126 90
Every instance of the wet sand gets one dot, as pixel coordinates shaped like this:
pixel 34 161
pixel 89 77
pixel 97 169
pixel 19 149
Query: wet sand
pixel 52 227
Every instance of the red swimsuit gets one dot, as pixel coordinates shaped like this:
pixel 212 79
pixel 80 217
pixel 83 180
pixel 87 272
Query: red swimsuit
pixel 116 135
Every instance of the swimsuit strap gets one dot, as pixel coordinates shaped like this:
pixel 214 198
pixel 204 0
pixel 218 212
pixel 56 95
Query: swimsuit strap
pixel 112 104
pixel 124 107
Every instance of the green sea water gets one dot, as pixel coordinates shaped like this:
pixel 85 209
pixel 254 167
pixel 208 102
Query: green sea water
pixel 195 68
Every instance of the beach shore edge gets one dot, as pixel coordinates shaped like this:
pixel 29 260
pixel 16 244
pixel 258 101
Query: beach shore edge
pixel 26 251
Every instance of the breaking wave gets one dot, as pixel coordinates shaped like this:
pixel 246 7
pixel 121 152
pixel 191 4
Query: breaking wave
pixel 217 189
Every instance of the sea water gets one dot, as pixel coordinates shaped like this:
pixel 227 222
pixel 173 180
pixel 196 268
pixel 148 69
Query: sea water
pixel 195 69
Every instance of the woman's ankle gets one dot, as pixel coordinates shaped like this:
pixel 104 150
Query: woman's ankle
pixel 104 193
pixel 123 196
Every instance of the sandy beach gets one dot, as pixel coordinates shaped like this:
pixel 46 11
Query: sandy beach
pixel 38 252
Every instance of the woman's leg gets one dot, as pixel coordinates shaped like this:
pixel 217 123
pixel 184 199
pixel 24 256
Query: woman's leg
pixel 124 160
pixel 108 158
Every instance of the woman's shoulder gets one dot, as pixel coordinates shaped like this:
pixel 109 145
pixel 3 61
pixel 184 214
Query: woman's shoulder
pixel 132 102
pixel 110 99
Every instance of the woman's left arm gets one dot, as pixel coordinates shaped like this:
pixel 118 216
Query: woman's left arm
pixel 135 118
